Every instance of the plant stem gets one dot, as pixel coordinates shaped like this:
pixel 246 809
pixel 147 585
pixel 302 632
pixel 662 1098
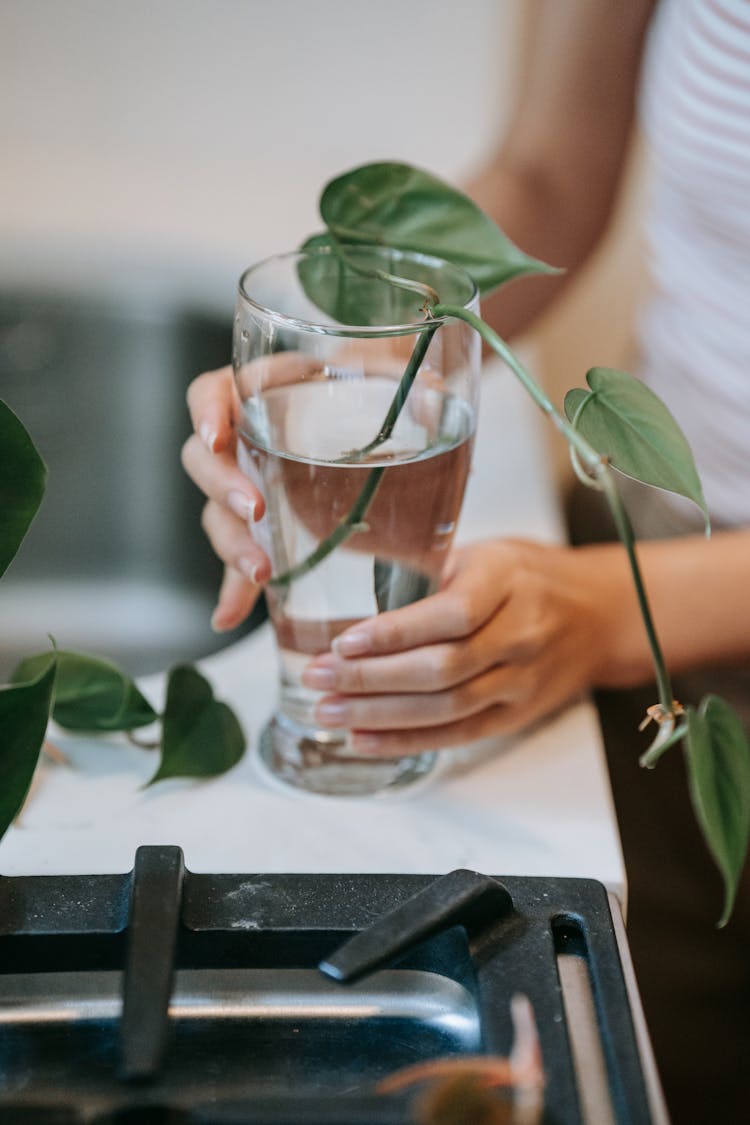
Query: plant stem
pixel 350 525
pixel 625 532
pixel 589 456
pixel 402 391
pixel 662 742
pixel 600 471
pixel 354 520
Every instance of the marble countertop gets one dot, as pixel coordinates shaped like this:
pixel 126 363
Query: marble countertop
pixel 538 803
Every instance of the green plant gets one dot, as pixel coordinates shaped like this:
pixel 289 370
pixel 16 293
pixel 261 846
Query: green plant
pixel 615 425
pixel 200 736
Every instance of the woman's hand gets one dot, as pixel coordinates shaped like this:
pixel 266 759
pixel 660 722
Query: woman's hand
pixel 234 503
pixel 517 630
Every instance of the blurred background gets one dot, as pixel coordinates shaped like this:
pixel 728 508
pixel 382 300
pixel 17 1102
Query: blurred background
pixel 151 150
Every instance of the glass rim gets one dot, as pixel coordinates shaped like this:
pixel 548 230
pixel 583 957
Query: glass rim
pixel 405 329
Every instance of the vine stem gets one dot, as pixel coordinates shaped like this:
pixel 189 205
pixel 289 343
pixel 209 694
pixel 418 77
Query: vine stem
pixel 589 457
pixel 598 468
pixel 597 474
pixel 354 520
pixel 402 391
pixel 625 532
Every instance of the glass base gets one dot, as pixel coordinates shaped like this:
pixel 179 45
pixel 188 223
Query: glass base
pixel 295 758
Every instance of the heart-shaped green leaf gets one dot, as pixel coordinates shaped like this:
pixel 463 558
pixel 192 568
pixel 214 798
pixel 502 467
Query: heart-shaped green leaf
pixel 396 205
pixel 627 423
pixel 341 289
pixel 201 737
pixel 375 286
pixel 24 714
pixel 22 481
pixel 91 694
pixel 718 761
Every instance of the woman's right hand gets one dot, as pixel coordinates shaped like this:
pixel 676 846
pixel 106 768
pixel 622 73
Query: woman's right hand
pixel 234 504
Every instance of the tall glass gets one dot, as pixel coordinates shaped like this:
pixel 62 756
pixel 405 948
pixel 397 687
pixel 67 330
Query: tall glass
pixel 362 490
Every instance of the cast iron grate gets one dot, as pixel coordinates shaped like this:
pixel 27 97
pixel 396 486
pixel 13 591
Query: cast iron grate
pixel 163 996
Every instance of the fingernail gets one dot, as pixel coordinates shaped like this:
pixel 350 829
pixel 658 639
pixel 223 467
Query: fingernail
pixel 354 643
pixel 241 505
pixel 208 437
pixel 319 678
pixel 331 713
pixel 250 569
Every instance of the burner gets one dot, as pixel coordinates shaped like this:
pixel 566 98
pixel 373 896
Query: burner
pixel 164 996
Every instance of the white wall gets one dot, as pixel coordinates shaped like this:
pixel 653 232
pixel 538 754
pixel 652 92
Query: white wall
pixel 160 145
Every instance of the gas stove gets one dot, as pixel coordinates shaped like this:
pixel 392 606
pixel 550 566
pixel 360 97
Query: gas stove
pixel 167 996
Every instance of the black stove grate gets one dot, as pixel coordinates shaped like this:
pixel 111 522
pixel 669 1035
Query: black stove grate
pixel 163 996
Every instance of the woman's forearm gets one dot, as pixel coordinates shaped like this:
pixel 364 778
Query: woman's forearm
pixel 700 598
pixel 552 184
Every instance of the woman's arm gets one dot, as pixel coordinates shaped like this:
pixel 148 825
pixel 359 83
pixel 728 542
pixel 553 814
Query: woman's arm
pixel 552 184
pixel 698 589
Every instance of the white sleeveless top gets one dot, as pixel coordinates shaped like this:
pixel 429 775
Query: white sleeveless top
pixel 695 332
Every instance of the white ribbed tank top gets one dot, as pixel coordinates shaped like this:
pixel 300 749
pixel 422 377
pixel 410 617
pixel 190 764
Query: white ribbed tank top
pixel 695 331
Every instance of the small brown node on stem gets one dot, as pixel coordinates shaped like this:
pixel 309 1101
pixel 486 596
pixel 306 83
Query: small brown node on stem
pixel 660 715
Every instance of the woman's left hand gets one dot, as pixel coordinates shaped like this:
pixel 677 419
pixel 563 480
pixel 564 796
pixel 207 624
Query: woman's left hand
pixel 516 630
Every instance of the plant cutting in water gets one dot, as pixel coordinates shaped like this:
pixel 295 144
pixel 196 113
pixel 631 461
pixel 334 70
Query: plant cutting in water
pixel 615 425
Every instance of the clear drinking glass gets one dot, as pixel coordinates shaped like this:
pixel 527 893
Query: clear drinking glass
pixel 315 394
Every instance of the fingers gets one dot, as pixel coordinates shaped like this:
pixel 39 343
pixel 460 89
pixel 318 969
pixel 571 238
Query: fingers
pixel 430 668
pixel 407 711
pixel 220 478
pixel 233 543
pixel 237 597
pixel 227 519
pixel 247 567
pixel 234 503
pixel 472 596
pixel 512 635
pixel 214 407
pixel 494 720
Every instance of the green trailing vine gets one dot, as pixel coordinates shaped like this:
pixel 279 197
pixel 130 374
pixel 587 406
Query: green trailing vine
pixel 199 736
pixel 615 425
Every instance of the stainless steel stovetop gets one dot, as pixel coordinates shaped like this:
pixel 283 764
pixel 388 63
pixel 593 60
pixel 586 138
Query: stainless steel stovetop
pixel 164 997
